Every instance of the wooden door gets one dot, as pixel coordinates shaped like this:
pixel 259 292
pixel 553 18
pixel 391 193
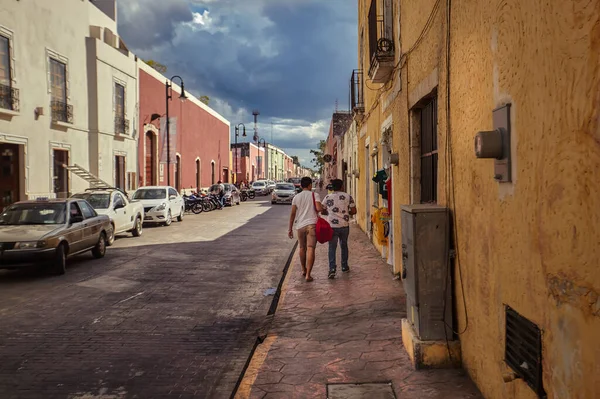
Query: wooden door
pixel 9 174
pixel 61 175
pixel 150 165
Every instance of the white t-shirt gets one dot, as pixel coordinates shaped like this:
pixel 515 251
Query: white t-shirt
pixel 305 214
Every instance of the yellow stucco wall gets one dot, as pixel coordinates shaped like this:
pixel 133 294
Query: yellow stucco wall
pixel 533 244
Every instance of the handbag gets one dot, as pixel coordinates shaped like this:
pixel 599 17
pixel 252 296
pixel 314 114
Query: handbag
pixel 323 229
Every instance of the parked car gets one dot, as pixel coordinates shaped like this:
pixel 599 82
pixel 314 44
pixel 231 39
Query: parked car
pixel 283 193
pixel 125 215
pixel 271 185
pixel 50 231
pixel 161 204
pixel 232 195
pixel 260 187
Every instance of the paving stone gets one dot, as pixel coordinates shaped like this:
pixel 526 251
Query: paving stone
pixel 354 334
pixel 174 313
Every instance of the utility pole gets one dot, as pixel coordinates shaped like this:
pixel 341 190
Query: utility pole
pixel 255 113
pixel 270 155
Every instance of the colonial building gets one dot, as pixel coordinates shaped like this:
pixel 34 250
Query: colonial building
pixel 250 161
pixel 340 121
pixel 275 164
pixel 440 85
pixel 68 94
pixel 199 137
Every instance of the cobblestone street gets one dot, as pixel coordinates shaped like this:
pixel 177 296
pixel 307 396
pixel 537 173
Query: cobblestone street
pixel 174 313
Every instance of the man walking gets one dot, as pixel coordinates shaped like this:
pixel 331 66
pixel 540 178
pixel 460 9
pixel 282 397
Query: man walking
pixel 305 208
pixel 338 206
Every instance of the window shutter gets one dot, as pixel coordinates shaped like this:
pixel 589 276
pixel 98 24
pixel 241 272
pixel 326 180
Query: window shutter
pixel 48 77
pixel 114 98
pixel 388 19
pixel 125 101
pixel 67 86
pixel 11 52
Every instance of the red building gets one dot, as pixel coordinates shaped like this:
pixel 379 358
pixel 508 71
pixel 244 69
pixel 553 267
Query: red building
pixel 250 161
pixel 200 136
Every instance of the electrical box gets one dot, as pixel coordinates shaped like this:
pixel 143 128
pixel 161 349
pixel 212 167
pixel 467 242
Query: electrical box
pixel 426 270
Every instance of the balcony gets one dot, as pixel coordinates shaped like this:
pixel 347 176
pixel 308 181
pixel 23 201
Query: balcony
pixel 381 47
pixel 121 125
pixel 61 112
pixel 357 102
pixel 9 98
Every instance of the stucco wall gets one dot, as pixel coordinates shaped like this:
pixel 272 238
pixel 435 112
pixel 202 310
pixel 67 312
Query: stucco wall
pixel 201 132
pixel 38 26
pixel 532 244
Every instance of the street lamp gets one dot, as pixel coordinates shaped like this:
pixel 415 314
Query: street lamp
pixel 237 133
pixel 169 95
pixel 264 143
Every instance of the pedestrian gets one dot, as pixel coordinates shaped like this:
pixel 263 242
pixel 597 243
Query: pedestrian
pixel 304 216
pixel 339 207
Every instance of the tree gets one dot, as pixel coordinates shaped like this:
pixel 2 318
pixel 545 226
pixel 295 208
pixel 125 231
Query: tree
pixel 318 155
pixel 204 99
pixel 156 65
pixel 295 159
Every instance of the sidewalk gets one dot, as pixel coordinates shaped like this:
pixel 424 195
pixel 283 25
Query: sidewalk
pixel 346 330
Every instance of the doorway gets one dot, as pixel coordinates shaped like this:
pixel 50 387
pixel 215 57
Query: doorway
pixel 9 174
pixel 151 160
pixel 120 172
pixel 198 176
pixel 367 178
pixel 212 172
pixel 225 178
pixel 60 175
pixel 178 172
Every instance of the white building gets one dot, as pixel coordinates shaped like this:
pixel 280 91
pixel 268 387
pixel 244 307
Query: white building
pixel 68 91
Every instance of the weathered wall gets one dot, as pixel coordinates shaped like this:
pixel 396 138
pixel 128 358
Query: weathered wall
pixel 532 244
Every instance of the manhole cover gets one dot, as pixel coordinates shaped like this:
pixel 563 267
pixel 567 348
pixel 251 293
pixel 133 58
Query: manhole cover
pixel 381 390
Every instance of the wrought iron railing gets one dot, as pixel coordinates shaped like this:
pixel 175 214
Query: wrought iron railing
pixel 9 97
pixel 61 111
pixel 357 102
pixel 121 125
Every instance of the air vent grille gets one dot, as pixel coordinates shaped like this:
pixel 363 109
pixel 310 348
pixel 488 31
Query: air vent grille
pixel 523 350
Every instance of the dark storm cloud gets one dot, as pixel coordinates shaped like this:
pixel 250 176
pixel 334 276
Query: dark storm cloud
pixel 145 23
pixel 291 59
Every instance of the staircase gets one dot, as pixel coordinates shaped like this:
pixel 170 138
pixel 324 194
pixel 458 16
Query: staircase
pixel 95 182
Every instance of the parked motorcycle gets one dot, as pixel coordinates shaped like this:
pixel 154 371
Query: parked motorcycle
pixel 251 193
pixel 244 195
pixel 193 204
pixel 214 201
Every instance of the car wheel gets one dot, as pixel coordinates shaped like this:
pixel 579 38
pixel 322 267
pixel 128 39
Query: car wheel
pixel 180 217
pixel 137 230
pixel 100 249
pixel 169 219
pixel 59 264
pixel 111 237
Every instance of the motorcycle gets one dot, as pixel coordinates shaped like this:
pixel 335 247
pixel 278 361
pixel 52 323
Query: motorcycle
pixel 243 195
pixel 214 202
pixel 251 193
pixel 193 204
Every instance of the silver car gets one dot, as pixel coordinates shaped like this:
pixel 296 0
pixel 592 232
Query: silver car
pixel 283 193
pixel 260 187
pixel 50 231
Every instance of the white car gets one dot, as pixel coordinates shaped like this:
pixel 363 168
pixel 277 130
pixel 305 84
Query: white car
pixel 271 185
pixel 161 204
pixel 125 216
pixel 284 193
pixel 260 187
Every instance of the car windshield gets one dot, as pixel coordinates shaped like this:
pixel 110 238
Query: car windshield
pixel 258 184
pixel 227 187
pixel 150 194
pixel 24 214
pixel 285 187
pixel 96 200
pixel 295 181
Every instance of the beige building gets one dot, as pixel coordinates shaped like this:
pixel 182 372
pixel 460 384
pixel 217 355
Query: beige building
pixel 524 227
pixel 67 93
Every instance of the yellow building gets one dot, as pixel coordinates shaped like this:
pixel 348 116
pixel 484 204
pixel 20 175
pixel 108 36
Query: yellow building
pixel 526 236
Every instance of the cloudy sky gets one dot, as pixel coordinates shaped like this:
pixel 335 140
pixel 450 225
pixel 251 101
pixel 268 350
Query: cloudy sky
pixel 290 59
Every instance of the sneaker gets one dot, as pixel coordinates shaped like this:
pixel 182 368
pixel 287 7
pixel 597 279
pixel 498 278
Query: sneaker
pixel 345 269
pixel 331 274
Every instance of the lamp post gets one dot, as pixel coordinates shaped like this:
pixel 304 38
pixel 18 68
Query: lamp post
pixel 169 95
pixel 237 133
pixel 264 143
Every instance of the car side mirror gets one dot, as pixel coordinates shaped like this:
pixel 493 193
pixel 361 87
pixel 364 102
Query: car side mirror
pixel 172 197
pixel 76 219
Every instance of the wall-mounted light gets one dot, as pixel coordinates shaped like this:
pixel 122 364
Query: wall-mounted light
pixel 495 144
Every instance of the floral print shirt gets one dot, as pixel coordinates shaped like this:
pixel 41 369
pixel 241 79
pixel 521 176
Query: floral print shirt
pixel 338 206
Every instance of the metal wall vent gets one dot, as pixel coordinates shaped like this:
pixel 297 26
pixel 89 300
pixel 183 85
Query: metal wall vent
pixel 523 350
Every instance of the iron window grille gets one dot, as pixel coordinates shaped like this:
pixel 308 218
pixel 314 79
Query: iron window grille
pixel 523 350
pixel 61 111
pixel 429 152
pixel 9 98
pixel 121 125
pixel 381 47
